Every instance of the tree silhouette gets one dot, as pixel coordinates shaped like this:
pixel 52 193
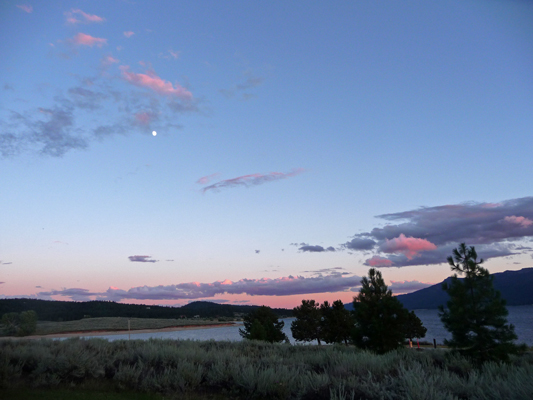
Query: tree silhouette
pixel 413 327
pixel 476 313
pixel 379 317
pixel 307 325
pixel 337 323
pixel 263 324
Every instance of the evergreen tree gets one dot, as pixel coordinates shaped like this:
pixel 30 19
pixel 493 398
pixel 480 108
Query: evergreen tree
pixel 263 324
pixel 379 317
pixel 413 327
pixel 337 323
pixel 476 313
pixel 307 325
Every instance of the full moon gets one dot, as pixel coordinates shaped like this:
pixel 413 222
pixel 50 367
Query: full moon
pixel 154 133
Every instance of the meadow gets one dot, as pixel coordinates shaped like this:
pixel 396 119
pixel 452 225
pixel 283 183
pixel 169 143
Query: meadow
pixel 169 369
pixel 118 324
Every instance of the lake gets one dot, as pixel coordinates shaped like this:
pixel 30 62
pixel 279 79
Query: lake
pixel 520 316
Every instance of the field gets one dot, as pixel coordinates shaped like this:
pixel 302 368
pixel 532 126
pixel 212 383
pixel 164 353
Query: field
pixel 172 369
pixel 117 324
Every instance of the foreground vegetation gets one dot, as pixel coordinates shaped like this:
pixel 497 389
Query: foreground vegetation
pixel 252 369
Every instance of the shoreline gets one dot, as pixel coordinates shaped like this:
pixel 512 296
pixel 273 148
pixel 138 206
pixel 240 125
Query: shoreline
pixel 118 332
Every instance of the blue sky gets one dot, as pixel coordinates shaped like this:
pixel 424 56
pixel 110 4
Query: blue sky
pixel 388 132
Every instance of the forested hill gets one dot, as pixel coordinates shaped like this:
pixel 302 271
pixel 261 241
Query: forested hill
pixel 69 310
pixel 516 288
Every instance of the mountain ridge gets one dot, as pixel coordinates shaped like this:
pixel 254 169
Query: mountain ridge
pixel 515 287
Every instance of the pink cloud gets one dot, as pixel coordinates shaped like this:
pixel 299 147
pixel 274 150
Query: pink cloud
pixel 108 60
pixel 25 8
pixel 252 180
pixel 151 81
pixel 81 39
pixel 208 178
pixel 129 34
pixel 409 246
pixel 144 118
pixel 85 18
pixel 522 221
pixel 379 262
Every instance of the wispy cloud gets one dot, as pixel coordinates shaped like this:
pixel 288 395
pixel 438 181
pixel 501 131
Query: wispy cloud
pixel 85 98
pixel 170 54
pixel 77 16
pixel 151 81
pixel 142 259
pixel 129 34
pixel 49 131
pixel 249 82
pixel 285 286
pixel 82 39
pixel 146 117
pixel 25 8
pixel 108 60
pixel 428 235
pixel 204 180
pixel 251 180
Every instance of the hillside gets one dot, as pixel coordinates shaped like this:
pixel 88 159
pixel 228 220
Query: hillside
pixel 70 310
pixel 515 287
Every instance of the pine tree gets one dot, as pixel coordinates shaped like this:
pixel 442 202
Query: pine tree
pixel 337 323
pixel 263 324
pixel 307 325
pixel 379 317
pixel 476 313
pixel 413 327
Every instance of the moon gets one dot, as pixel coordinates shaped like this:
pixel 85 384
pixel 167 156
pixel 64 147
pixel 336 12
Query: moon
pixel 154 133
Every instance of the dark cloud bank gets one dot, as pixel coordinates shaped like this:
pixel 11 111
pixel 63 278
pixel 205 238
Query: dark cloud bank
pixel 286 286
pixel 427 235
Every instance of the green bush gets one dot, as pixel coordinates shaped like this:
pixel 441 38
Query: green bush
pixel 19 324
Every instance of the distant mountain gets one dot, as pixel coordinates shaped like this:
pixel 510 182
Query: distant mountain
pixel 516 288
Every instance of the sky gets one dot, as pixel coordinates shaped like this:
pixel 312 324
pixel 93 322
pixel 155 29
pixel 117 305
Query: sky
pixel 246 152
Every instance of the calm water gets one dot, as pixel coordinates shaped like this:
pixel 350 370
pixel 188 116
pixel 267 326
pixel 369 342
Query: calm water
pixel 520 316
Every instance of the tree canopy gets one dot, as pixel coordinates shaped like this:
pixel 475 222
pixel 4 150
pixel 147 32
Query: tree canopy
pixel 307 326
pixel 337 323
pixel 476 313
pixel 379 317
pixel 263 324
pixel 413 327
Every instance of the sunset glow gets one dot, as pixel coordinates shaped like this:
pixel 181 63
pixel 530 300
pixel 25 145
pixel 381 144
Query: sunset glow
pixel 260 152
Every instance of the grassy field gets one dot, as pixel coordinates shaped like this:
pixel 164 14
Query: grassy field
pixel 117 324
pixel 177 369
